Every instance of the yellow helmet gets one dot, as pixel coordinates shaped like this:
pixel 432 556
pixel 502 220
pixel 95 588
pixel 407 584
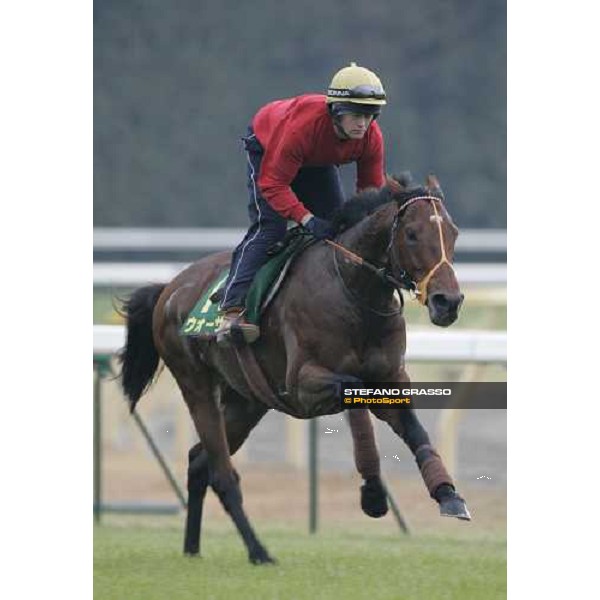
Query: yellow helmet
pixel 356 85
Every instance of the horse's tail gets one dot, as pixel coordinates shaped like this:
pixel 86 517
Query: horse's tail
pixel 139 358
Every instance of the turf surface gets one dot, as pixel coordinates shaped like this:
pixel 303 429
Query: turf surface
pixel 146 563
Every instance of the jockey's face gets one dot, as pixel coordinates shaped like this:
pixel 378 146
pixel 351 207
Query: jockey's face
pixel 355 125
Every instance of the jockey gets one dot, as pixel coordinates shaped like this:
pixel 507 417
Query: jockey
pixel 293 150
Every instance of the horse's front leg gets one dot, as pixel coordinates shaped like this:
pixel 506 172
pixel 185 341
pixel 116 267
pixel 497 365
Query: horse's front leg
pixel 317 382
pixel 440 485
pixel 373 496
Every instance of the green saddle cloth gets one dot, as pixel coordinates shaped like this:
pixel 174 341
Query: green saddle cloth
pixel 204 319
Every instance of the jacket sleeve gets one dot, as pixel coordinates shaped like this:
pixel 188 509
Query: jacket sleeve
pixel 370 166
pixel 280 165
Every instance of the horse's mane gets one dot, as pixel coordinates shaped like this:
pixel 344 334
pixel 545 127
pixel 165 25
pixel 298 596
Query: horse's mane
pixel 400 188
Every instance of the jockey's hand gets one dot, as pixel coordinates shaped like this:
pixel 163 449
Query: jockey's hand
pixel 320 228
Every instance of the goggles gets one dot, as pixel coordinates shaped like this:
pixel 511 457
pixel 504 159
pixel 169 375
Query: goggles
pixel 342 108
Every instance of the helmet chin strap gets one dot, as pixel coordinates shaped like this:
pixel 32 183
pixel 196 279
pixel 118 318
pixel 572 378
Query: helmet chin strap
pixel 339 129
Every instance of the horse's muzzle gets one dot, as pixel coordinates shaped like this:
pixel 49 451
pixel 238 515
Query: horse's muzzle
pixel 443 308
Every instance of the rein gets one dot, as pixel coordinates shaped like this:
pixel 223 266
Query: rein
pixel 383 273
pixel 360 261
pixel 419 288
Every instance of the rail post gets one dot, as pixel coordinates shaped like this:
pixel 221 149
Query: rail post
pixel 101 368
pixel 313 448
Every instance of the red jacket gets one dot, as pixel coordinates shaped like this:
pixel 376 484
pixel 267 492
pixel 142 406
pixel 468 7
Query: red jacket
pixel 298 132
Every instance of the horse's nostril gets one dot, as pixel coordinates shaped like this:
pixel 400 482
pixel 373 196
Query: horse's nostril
pixel 447 302
pixel 440 300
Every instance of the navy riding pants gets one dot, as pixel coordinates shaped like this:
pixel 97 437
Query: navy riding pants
pixel 318 188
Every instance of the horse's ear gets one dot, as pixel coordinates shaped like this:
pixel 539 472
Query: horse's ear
pixel 433 184
pixel 405 179
pixel 393 184
pixel 399 183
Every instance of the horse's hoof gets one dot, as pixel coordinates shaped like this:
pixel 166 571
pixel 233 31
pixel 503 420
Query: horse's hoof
pixel 373 498
pixel 455 507
pixel 262 558
pixel 192 554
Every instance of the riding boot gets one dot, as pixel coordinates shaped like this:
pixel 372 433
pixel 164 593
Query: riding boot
pixel 234 328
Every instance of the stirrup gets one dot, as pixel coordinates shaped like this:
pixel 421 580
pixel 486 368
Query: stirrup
pixel 236 330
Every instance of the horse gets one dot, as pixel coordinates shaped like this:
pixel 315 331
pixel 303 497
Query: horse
pixel 331 321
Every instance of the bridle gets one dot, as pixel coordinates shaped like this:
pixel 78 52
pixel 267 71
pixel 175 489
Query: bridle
pixel 421 286
pixel 403 279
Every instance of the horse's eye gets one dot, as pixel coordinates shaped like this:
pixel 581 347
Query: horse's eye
pixel 411 235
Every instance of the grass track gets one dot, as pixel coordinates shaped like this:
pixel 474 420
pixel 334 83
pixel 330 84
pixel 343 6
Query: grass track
pixel 145 563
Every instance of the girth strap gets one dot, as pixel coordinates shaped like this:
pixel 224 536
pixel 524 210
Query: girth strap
pixel 255 379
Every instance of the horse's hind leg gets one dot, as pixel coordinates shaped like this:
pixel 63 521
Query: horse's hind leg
pixel 241 416
pixel 210 425
pixel 197 482
pixel 441 488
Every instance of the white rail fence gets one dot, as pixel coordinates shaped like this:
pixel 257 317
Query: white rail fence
pixel 133 274
pixel 217 238
pixel 469 346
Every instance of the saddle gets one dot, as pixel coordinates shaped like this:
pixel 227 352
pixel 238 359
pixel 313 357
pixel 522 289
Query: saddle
pixel 204 318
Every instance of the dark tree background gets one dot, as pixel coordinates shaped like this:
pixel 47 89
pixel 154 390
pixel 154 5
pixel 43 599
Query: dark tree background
pixel 175 84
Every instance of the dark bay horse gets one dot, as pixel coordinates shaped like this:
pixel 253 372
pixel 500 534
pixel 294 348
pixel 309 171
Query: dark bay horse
pixel 332 321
